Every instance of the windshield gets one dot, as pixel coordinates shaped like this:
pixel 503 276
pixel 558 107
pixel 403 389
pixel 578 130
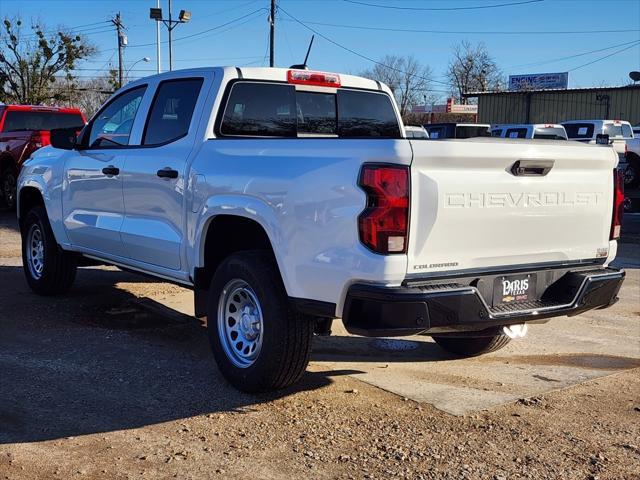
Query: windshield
pixel 25 120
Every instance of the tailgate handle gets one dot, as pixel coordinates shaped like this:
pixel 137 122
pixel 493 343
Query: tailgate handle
pixel 532 168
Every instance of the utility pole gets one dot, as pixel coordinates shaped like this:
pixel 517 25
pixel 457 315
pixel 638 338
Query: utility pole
pixel 158 43
pixel 122 41
pixel 170 44
pixel 272 33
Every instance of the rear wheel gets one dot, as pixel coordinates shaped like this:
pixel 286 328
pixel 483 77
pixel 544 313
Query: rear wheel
pixel 8 182
pixel 259 342
pixel 471 346
pixel 49 269
pixel 631 175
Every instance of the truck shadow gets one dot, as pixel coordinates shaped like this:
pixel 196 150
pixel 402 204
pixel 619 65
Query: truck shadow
pixel 73 365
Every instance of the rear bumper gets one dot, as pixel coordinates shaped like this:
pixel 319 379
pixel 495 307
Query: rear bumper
pixel 379 311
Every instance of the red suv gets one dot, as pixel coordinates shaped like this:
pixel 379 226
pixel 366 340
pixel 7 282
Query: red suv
pixel 24 129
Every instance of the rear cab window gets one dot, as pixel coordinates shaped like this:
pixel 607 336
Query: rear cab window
pixel 579 130
pixel 550 133
pixel 20 120
pixel 262 109
pixel 516 133
pixel 618 130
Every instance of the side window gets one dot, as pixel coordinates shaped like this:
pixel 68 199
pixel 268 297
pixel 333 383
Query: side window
pixel 171 111
pixel 260 109
pixel 496 133
pixel 113 124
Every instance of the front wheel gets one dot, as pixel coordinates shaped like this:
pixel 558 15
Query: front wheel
pixel 471 346
pixel 8 182
pixel 259 342
pixel 49 270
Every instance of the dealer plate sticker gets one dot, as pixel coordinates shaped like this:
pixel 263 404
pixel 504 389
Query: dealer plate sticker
pixel 514 288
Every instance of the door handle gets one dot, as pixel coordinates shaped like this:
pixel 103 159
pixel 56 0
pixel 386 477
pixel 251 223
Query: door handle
pixel 110 171
pixel 167 173
pixel 532 168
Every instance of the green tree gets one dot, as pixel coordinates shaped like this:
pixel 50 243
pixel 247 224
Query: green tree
pixel 31 63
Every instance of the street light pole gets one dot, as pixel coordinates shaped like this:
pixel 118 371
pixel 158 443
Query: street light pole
pixel 170 23
pixel 143 59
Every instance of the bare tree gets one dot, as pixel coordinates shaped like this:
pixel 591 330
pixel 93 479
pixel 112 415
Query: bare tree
pixel 30 63
pixel 407 78
pixel 472 69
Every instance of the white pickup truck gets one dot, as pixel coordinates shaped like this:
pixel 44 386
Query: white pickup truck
pixel 288 198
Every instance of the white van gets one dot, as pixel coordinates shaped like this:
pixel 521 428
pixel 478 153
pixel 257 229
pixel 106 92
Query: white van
pixel 528 130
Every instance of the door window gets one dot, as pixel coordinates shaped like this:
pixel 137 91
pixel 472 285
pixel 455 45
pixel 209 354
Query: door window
pixel 171 112
pixel 112 126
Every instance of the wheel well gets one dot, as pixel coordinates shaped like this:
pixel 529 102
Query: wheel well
pixel 7 162
pixel 228 234
pixel 30 197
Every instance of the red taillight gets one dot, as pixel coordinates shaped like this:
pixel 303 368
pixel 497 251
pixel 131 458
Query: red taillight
pixel 384 224
pixel 618 204
pixel 317 79
pixel 41 138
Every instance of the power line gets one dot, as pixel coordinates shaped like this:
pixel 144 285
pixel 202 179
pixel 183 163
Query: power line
pixel 358 53
pixel 605 57
pixel 464 32
pixel 203 31
pixel 70 30
pixel 442 9
pixel 572 56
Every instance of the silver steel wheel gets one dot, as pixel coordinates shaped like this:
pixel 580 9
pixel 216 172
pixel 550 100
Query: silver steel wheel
pixel 240 323
pixel 35 251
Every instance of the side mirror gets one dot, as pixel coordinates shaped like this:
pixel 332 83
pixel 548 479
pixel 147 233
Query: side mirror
pixel 65 138
pixel 602 139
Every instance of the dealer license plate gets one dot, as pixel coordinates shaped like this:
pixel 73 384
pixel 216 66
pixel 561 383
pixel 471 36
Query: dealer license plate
pixel 514 288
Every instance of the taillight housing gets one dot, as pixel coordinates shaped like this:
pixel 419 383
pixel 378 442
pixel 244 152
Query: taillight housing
pixel 618 204
pixel 41 138
pixel 384 224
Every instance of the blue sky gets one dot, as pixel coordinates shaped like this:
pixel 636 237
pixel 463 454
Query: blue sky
pixel 244 40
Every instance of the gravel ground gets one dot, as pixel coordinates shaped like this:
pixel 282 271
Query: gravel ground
pixel 91 386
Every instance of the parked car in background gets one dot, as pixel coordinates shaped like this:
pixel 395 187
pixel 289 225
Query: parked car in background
pixel 24 129
pixel 619 131
pixel 535 131
pixel 415 132
pixel 457 130
pixel 636 131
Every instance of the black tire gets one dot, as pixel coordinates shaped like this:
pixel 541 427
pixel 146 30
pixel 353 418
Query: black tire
pixel 8 182
pixel 471 346
pixel 58 268
pixel 286 335
pixel 631 175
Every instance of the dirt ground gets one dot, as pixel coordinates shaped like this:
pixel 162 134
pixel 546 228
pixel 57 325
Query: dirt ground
pixel 92 386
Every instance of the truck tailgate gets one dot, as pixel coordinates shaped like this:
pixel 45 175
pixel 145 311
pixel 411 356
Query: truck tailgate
pixel 470 211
